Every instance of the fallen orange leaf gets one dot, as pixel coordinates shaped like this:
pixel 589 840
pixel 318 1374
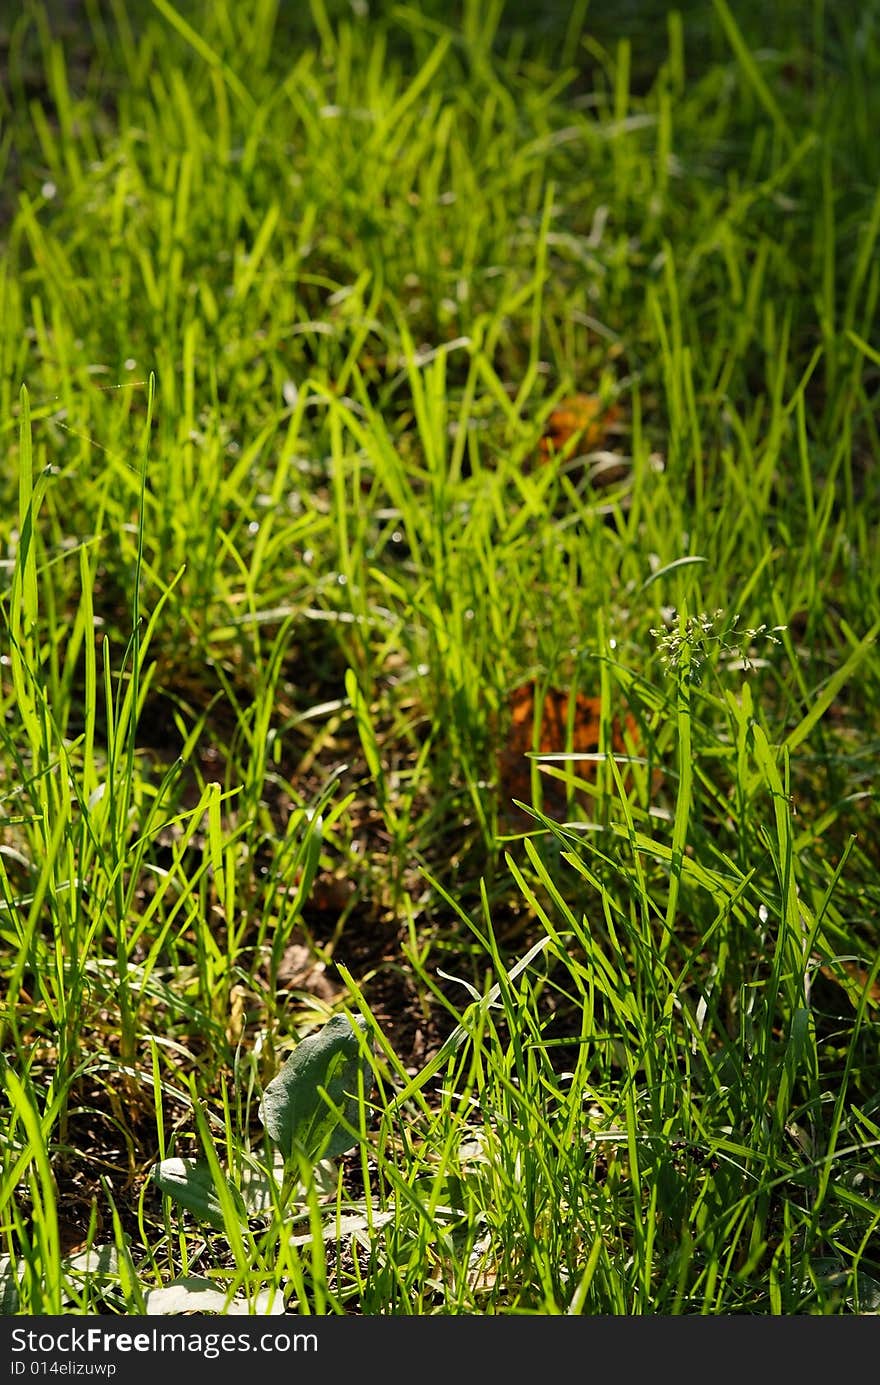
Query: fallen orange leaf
pixel 583 414
pixel 556 714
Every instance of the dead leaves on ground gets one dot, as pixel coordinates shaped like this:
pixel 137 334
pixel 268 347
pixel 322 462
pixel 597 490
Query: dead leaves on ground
pixel 582 421
pixel 549 722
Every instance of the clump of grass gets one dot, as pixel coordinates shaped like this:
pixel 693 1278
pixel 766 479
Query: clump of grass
pixel 287 308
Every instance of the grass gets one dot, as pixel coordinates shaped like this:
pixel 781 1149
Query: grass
pixel 288 303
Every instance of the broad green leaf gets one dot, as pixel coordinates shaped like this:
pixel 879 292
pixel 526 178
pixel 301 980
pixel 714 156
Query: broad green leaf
pixel 357 1223
pixel 192 1294
pixel 98 1262
pixel 831 1276
pixel 260 1186
pixel 8 1289
pixel 296 1113
pixel 189 1182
